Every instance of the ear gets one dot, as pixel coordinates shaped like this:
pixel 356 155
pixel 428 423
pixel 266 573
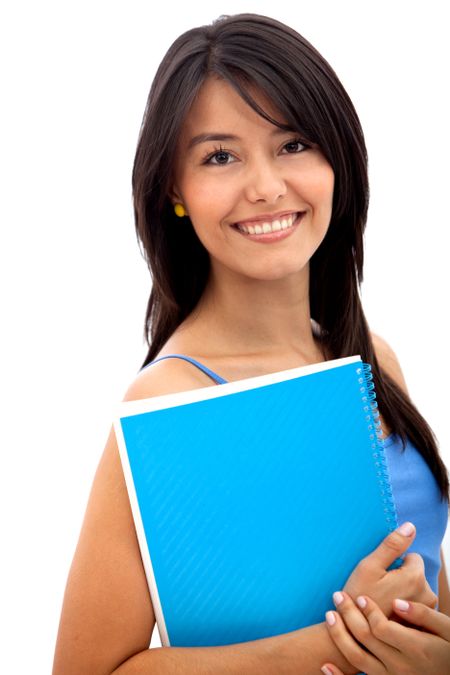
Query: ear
pixel 174 195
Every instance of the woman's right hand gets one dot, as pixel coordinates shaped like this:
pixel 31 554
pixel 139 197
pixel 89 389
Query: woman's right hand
pixel 370 577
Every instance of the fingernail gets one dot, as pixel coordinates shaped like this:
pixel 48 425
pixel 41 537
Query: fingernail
pixel 337 598
pixel 331 619
pixel 326 671
pixel 402 605
pixel 406 529
pixel 361 602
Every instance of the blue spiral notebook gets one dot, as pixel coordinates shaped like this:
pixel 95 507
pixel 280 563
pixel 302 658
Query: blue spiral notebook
pixel 254 501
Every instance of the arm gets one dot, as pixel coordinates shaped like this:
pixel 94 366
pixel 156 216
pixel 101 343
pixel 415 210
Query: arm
pixel 444 591
pixel 390 646
pixel 389 362
pixel 298 653
pixel 341 633
pixel 107 617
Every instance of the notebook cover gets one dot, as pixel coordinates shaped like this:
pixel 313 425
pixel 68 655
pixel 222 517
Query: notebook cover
pixel 254 500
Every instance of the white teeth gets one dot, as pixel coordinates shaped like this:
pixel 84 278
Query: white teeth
pixel 266 227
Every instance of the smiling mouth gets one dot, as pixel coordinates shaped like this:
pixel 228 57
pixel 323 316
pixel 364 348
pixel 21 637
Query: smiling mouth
pixel 267 227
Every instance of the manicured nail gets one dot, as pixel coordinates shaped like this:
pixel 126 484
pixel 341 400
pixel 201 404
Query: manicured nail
pixel 326 671
pixel 337 598
pixel 402 605
pixel 406 529
pixel 331 619
pixel 361 602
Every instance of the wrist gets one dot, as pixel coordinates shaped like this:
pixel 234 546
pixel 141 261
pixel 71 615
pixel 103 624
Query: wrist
pixel 306 650
pixel 333 654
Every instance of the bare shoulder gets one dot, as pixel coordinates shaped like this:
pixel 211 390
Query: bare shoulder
pixel 167 376
pixel 388 361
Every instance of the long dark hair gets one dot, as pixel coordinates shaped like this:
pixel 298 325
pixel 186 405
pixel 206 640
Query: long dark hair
pixel 250 49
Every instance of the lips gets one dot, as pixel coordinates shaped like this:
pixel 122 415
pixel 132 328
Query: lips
pixel 259 221
pixel 272 236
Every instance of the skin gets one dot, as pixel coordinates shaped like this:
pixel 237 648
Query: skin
pixel 421 647
pixel 248 177
pixel 261 175
pixel 253 318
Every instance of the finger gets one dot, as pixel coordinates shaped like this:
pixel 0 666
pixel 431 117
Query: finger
pixel 331 669
pixel 393 546
pixel 359 627
pixel 413 565
pixel 347 645
pixel 399 638
pixel 414 561
pixel 420 615
pixel 419 589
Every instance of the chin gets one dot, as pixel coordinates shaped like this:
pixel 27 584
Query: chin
pixel 277 272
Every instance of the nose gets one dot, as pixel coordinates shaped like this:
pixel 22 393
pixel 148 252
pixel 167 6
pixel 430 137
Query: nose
pixel 264 183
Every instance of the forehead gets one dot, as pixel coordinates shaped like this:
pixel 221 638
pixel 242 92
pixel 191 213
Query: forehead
pixel 219 107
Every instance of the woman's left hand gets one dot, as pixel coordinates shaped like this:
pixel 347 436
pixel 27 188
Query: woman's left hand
pixel 393 648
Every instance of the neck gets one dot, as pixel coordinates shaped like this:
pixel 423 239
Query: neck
pixel 270 317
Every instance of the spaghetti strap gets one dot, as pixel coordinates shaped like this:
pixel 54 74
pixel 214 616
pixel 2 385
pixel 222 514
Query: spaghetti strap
pixel 205 369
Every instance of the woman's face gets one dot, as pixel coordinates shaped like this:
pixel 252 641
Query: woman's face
pixel 261 171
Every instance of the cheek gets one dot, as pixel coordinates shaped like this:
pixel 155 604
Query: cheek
pixel 329 182
pixel 213 198
pixel 217 183
pixel 321 187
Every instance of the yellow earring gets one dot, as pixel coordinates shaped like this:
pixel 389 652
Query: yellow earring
pixel 179 210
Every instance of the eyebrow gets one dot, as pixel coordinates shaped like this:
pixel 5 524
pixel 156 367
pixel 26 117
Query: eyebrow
pixel 203 138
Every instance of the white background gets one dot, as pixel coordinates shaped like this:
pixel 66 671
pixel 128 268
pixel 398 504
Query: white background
pixel 74 286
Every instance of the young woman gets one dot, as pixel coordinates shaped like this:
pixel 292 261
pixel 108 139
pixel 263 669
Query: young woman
pixel 251 196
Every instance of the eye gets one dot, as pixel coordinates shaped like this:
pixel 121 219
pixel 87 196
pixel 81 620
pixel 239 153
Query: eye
pixel 218 153
pixel 221 155
pixel 296 142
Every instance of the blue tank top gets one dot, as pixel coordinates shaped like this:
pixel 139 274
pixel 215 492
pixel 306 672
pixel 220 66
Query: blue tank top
pixel 416 493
